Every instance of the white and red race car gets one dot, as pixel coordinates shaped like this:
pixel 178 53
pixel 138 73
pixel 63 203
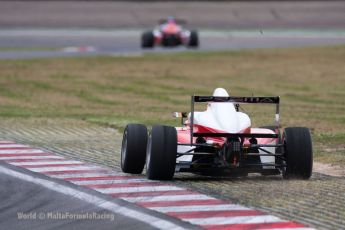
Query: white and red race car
pixel 218 140
pixel 170 33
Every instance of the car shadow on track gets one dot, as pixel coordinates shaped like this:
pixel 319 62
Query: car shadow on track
pixel 257 177
pixel 250 177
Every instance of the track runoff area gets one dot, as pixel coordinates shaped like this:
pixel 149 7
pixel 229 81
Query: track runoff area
pixel 172 201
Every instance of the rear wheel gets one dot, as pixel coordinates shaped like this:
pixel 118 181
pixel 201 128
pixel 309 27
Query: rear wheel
pixel 194 39
pixel 161 153
pixel 298 153
pixel 147 39
pixel 133 150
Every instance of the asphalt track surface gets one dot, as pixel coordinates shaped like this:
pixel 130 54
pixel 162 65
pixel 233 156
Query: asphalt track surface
pixel 35 43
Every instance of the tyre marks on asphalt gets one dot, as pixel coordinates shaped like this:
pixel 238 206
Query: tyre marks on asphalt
pixel 174 201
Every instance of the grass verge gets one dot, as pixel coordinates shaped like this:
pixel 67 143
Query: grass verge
pixel 119 90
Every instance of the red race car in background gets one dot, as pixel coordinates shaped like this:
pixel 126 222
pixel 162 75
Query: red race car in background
pixel 170 33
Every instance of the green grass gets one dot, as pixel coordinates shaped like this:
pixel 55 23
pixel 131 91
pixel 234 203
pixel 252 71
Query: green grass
pixel 5 49
pixel 115 91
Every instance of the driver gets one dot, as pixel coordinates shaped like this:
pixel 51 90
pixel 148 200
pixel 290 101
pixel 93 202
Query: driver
pixel 170 26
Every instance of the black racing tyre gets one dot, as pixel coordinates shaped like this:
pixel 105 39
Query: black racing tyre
pixel 194 39
pixel 147 39
pixel 133 150
pixel 161 153
pixel 298 153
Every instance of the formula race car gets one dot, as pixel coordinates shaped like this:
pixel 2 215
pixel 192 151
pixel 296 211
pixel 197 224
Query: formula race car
pixel 170 33
pixel 217 141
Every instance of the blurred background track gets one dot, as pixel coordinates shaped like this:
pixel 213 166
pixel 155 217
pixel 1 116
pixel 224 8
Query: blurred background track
pixel 82 28
pixel 77 28
pixel 142 14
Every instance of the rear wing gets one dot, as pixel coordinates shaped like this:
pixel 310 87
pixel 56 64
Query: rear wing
pixel 236 100
pixel 239 100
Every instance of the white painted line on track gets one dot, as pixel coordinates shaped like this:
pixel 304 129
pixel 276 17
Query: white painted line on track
pixel 30 157
pixel 23 151
pixel 63 168
pixel 76 49
pixel 193 208
pixel 38 160
pixel 47 162
pixel 139 189
pixel 168 198
pixel 289 229
pixel 93 174
pixel 110 181
pixel 3 146
pixel 92 199
pixel 234 220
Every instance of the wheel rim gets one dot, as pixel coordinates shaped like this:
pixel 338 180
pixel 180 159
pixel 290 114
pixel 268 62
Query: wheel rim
pixel 124 149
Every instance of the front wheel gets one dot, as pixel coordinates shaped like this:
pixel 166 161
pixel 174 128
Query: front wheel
pixel 298 152
pixel 133 149
pixel 161 153
pixel 147 39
